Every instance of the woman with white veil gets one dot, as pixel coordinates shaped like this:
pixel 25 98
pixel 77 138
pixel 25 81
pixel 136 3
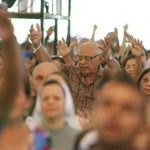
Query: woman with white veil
pixel 54 112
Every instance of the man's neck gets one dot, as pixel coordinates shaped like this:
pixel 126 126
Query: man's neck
pixel 54 123
pixel 90 78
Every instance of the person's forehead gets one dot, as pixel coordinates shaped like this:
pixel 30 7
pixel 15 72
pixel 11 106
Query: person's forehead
pixel 54 88
pixel 43 70
pixel 121 93
pixel 147 75
pixel 132 60
pixel 89 48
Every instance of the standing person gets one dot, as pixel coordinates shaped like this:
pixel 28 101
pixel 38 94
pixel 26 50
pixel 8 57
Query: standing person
pixel 143 138
pixel 133 63
pixel 53 113
pixel 82 76
pixel 119 114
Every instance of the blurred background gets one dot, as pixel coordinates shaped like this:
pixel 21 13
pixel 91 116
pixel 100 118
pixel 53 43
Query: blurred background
pixel 106 14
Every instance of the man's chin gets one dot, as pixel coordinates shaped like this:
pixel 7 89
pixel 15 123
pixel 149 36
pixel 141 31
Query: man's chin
pixel 85 71
pixel 112 142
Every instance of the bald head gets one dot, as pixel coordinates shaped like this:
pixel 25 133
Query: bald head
pixel 89 49
pixel 40 73
pixel 50 67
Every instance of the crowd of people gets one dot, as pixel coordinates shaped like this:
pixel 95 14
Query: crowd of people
pixel 92 95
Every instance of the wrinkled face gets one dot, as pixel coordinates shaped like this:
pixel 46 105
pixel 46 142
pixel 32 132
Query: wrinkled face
pixel 87 65
pixel 39 76
pixel 118 113
pixel 52 102
pixel 145 84
pixel 130 67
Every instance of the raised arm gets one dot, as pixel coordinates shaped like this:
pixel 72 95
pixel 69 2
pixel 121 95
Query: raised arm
pixel 123 46
pixel 49 33
pixel 93 33
pixel 65 51
pixel 104 46
pixel 137 50
pixel 40 52
pixel 127 38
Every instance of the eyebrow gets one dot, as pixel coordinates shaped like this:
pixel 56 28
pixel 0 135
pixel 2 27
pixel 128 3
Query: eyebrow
pixel 38 76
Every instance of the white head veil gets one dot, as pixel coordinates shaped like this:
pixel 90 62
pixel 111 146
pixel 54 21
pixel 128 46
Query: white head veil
pixel 69 115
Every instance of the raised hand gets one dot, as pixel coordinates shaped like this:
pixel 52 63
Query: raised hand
pixel 50 31
pixel 137 48
pixel 104 45
pixel 94 27
pixel 93 33
pixel 63 48
pixel 35 35
pixel 125 28
pixel 116 30
pixel 74 41
pixel 129 38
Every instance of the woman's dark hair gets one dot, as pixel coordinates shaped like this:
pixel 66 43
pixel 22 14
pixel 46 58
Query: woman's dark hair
pixel 142 75
pixel 50 82
pixel 63 76
pixel 127 58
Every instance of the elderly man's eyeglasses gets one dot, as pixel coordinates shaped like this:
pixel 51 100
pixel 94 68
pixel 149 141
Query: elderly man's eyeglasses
pixel 86 58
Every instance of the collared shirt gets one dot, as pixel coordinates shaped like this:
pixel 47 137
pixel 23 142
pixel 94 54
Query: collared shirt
pixel 83 94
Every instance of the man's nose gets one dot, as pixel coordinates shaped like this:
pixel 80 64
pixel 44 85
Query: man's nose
pixel 115 111
pixel 50 100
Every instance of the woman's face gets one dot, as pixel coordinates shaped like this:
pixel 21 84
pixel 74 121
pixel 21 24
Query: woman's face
pixel 53 102
pixel 130 67
pixel 145 84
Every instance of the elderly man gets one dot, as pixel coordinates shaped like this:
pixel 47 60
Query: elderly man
pixel 40 72
pixel 83 75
